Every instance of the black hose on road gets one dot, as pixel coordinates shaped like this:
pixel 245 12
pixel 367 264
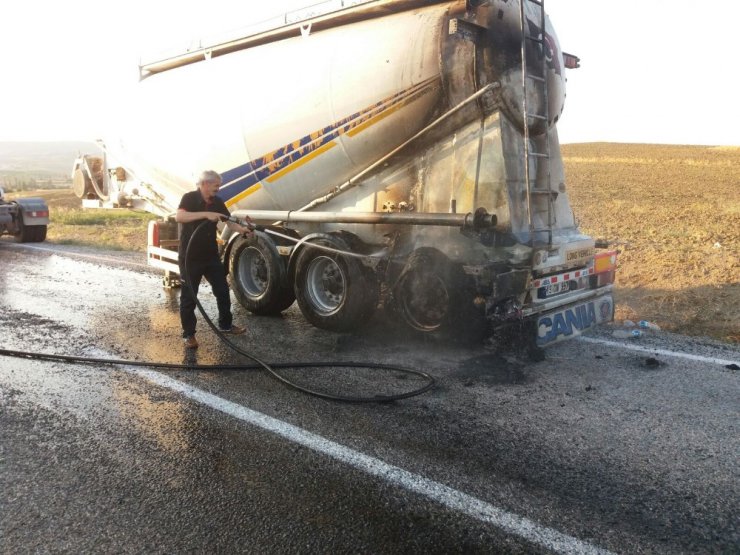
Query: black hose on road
pixel 269 367
pixel 258 363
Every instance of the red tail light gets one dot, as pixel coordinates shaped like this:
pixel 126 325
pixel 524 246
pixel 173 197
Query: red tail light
pixel 153 234
pixel 571 61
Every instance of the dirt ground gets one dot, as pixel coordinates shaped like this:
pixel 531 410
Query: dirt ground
pixel 672 212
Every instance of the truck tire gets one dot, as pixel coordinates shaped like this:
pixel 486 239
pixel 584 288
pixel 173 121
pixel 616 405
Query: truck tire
pixel 334 292
pixel 39 233
pixel 259 277
pixel 433 294
pixel 29 233
pixel 24 233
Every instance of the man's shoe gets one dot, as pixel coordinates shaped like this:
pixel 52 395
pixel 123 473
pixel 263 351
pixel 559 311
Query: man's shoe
pixel 191 342
pixel 234 330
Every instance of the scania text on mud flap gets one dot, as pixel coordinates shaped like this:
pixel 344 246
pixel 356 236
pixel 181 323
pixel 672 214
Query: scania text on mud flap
pixel 416 165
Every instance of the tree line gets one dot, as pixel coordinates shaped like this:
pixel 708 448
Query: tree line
pixel 22 182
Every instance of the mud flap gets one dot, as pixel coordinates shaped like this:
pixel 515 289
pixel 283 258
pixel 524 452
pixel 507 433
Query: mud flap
pixel 572 320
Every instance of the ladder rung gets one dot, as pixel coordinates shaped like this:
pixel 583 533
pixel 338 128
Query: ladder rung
pixel 535 191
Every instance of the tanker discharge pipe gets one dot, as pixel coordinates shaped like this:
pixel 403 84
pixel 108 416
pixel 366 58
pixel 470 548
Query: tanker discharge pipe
pixel 479 220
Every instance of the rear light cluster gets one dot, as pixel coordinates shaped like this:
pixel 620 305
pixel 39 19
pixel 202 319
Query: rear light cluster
pixel 605 266
pixel 39 214
pixel 571 61
pixel 153 233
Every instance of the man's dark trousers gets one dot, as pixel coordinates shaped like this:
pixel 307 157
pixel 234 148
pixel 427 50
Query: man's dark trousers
pixel 213 271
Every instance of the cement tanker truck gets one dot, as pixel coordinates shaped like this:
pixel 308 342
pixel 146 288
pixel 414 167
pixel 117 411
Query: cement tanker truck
pixel 396 153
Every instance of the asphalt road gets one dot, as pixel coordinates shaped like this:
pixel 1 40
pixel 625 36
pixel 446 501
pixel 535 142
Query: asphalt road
pixel 607 445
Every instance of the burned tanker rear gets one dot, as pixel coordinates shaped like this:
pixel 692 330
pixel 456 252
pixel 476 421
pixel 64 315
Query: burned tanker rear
pixel 394 153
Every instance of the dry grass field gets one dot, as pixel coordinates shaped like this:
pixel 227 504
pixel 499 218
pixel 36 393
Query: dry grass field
pixel 673 213
pixel 110 229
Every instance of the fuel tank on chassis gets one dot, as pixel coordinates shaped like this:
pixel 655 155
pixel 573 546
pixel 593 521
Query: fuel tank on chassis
pixel 287 121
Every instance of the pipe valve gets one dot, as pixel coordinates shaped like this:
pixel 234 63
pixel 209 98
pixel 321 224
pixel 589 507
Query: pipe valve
pixel 481 219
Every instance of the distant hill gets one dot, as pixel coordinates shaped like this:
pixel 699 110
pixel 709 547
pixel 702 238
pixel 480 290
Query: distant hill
pixel 42 159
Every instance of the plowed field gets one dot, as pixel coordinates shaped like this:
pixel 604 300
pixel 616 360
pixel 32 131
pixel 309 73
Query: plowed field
pixel 673 212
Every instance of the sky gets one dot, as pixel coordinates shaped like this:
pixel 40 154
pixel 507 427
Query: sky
pixel 652 71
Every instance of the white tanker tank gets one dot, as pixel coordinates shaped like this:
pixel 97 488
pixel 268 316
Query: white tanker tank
pixel 417 135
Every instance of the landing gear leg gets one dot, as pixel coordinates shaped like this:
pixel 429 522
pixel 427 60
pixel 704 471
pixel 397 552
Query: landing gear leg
pixel 170 281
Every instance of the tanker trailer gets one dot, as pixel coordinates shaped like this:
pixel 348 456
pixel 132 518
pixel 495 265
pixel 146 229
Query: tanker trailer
pixel 394 152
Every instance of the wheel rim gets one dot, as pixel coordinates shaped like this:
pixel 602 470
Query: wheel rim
pixel 326 285
pixel 424 301
pixel 253 273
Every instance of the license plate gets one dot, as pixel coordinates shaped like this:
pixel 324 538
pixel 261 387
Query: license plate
pixel 556 288
pixel 553 289
pixel 571 321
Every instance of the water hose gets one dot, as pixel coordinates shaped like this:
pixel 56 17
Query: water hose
pixel 258 363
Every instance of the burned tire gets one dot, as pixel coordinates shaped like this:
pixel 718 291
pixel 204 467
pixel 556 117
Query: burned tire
pixel 259 277
pixel 432 294
pixel 334 291
pixel 422 296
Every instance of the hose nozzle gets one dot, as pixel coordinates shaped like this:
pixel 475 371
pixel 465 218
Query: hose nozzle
pixel 245 223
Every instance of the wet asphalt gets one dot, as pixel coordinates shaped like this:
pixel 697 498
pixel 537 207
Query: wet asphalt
pixel 614 449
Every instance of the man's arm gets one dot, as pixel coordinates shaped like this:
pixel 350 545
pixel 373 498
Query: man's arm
pixel 183 216
pixel 233 226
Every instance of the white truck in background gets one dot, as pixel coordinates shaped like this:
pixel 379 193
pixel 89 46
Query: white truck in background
pixel 418 137
pixel 26 219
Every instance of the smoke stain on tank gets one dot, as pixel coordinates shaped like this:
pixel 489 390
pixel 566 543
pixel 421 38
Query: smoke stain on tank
pixel 491 369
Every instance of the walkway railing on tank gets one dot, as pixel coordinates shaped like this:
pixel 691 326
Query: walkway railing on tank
pixel 275 28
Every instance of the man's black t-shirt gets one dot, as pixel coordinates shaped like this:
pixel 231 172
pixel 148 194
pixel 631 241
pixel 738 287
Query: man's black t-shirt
pixel 204 247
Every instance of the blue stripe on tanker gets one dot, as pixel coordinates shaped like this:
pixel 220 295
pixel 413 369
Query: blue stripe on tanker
pixel 239 179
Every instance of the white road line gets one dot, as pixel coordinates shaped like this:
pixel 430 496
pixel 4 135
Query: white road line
pixel 80 255
pixel 447 496
pixel 664 352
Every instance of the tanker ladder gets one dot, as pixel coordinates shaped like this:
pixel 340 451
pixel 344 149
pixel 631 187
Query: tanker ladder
pixel 537 78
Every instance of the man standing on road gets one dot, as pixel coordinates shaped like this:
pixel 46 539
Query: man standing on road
pixel 195 208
